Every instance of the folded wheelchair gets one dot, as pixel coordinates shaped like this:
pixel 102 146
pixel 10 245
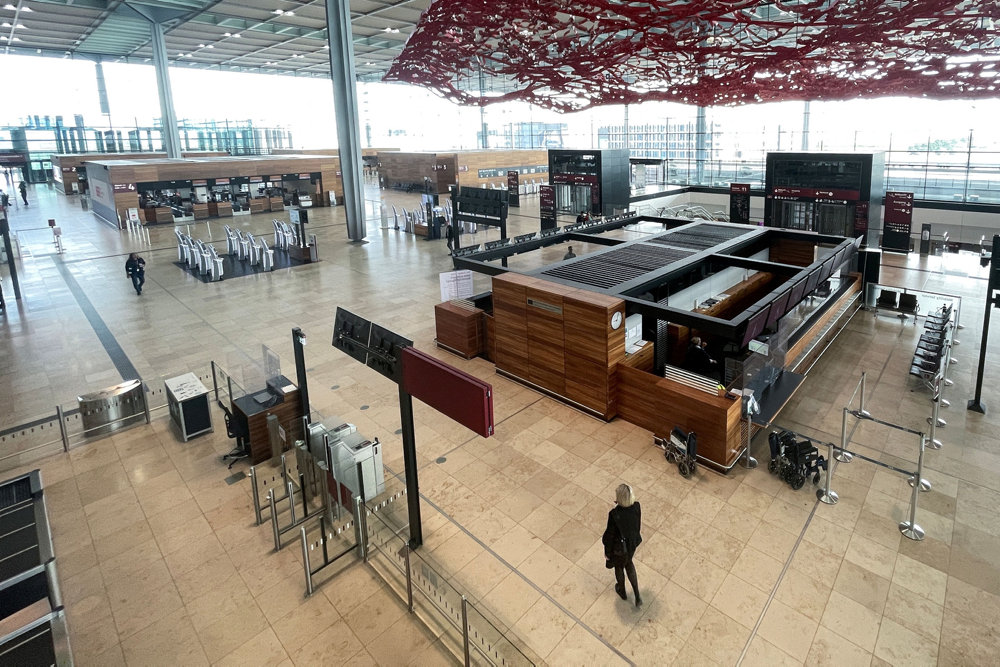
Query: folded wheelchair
pixel 794 460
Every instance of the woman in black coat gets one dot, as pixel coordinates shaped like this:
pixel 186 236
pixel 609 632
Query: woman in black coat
pixel 621 539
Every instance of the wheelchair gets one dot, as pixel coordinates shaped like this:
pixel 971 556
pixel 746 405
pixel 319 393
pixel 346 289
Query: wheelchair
pixel 794 461
pixel 681 448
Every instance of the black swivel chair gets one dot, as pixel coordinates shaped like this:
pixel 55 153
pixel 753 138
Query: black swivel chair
pixel 886 299
pixel 235 430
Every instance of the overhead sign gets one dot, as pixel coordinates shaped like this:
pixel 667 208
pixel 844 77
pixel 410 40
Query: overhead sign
pixel 739 203
pixel 898 221
pixel 814 193
pixel 222 181
pixel 124 187
pixel 463 397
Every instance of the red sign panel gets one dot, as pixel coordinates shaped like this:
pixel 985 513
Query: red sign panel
pixel 739 188
pixel 547 198
pixel 590 179
pixel 512 180
pixel 303 177
pixel 899 211
pixel 860 218
pixel 256 179
pixel 199 183
pixel 222 181
pixel 463 397
pixel 813 193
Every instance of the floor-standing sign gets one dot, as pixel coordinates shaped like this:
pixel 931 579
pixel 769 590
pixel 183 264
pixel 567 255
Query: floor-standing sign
pixel 513 188
pixel 547 206
pixel 898 221
pixel 454 393
pixel 739 203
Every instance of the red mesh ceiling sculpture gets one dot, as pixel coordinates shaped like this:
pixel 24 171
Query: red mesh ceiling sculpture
pixel 571 55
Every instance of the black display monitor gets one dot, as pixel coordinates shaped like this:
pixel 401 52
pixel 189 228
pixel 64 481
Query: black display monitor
pixel 798 291
pixel 778 307
pixel 813 280
pixel 756 324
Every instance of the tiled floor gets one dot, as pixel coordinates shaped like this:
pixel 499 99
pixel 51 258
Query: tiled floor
pixel 160 562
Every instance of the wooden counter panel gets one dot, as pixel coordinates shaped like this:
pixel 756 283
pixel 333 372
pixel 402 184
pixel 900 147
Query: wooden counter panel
pixel 642 360
pixel 289 413
pixel 200 211
pixel 258 205
pixel 220 209
pixel 659 404
pixel 460 329
pixel 491 339
pixel 587 384
pixel 585 330
pixel 277 204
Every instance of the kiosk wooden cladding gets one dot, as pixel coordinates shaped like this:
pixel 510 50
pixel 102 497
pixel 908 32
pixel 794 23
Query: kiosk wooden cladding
pixel 559 338
pixel 658 404
pixel 461 168
pixel 124 172
pixel 64 165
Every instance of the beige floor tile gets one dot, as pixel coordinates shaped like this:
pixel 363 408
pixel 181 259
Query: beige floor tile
pixel 763 653
pixel 543 626
pixel 511 597
pixel 739 600
pixel 299 626
pixel 831 650
pixel 914 612
pixel 803 593
pixel 699 576
pixel 650 644
pixel 332 644
pixel 171 640
pixel 862 586
pixel 921 579
pixel 851 620
pixel 964 641
pixel 871 556
pixel 788 629
pixel 719 637
pixel 690 655
pixel 900 646
pixel 675 609
pixel 262 649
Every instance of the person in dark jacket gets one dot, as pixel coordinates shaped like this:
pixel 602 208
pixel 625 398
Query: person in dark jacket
pixel 24 192
pixel 621 539
pixel 135 268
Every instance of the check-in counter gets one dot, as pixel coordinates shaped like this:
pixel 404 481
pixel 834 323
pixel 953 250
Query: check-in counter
pixel 277 204
pixel 222 209
pixel 161 214
pixel 200 211
pixel 259 205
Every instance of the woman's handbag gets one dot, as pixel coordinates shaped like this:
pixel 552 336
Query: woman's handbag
pixel 616 552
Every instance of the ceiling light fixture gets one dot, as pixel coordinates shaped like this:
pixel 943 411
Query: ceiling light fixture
pixel 237 35
pixel 27 9
pixel 4 25
pixel 201 46
pixel 10 7
pixel 289 13
pixel 227 34
pixel 210 46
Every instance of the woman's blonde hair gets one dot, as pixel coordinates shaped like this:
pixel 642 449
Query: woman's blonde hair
pixel 624 496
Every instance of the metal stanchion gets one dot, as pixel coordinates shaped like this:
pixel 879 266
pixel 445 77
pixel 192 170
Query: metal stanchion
pixel 409 578
pixel 322 530
pixel 145 400
pixel 305 498
pixel 290 489
pixel 910 528
pixel 826 494
pixel 748 461
pixel 843 456
pixel 359 532
pixel 215 382
pixel 465 629
pixel 274 519
pixel 62 428
pixel 305 561
pixel 932 441
pixel 862 410
pixel 256 495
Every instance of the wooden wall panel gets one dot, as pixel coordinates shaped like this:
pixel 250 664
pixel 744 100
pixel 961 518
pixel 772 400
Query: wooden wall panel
pixel 544 318
pixel 470 162
pixel 792 251
pixel 398 167
pixel 460 328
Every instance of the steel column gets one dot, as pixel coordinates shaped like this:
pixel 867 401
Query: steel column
pixel 168 117
pixel 345 105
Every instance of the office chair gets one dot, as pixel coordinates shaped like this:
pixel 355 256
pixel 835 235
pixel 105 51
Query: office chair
pixel 908 306
pixel 234 430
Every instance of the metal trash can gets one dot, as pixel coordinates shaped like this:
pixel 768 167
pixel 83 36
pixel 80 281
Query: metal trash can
pixel 313 249
pixel 112 409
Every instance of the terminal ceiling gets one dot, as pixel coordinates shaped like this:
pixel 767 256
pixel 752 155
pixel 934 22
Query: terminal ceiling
pixel 574 54
pixel 272 36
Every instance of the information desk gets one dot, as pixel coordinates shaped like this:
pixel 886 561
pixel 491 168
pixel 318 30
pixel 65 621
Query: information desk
pixel 259 205
pixel 187 399
pixel 200 211
pixel 250 413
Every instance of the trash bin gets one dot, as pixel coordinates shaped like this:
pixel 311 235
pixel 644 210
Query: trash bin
pixel 112 409
pixel 313 249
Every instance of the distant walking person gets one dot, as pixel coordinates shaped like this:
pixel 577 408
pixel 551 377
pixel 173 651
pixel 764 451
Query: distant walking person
pixel 6 175
pixel 621 539
pixel 569 253
pixel 135 268
pixel 24 192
